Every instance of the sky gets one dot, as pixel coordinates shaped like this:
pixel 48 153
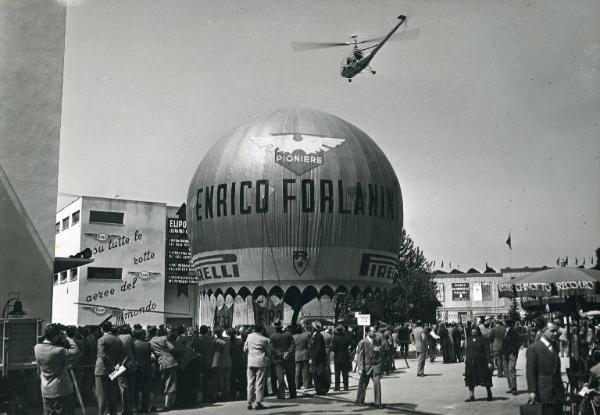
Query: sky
pixel 489 118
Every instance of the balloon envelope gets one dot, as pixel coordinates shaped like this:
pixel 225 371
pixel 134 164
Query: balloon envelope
pixel 299 197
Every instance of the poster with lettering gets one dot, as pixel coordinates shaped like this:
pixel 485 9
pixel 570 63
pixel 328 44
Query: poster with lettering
pixel 223 314
pixel 178 254
pixel 243 312
pixel 460 291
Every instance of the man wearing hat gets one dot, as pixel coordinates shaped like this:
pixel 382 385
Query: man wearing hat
pixel 318 360
pixel 283 359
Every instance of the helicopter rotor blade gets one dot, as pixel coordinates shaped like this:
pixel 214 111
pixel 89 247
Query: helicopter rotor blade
pixel 302 46
pixel 411 34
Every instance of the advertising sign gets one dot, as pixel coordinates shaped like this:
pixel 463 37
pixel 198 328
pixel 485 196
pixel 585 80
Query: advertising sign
pixel 177 260
pixel 363 319
pixel 460 291
pixel 440 292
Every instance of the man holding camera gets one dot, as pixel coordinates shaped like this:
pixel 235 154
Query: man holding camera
pixel 53 357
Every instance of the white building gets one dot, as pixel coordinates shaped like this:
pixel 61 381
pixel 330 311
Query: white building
pixel 473 294
pixel 128 240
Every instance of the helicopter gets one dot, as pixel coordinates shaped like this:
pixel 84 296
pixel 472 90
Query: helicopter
pixel 358 61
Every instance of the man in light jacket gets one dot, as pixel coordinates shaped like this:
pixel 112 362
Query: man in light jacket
pixel 419 339
pixel 53 357
pixel 258 347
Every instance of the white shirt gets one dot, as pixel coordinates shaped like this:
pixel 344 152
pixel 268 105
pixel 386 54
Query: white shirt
pixel 546 343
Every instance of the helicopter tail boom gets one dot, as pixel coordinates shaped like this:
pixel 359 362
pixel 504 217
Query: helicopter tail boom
pixel 402 19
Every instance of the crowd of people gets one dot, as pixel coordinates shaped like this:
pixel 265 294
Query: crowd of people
pixel 161 368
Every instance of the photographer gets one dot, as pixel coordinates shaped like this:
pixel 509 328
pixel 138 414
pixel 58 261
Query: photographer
pixel 53 357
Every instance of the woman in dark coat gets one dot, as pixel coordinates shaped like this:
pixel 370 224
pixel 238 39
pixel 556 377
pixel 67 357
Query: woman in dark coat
pixel 446 343
pixel 341 346
pixel 477 364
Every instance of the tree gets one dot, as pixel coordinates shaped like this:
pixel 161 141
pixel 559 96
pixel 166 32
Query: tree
pixel 413 294
pixel 513 312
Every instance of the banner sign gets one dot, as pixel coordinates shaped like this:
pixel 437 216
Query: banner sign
pixel 178 254
pixel 460 291
pixel 439 292
pixel 477 292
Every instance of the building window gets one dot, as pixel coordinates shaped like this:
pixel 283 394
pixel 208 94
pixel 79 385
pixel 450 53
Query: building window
pixel 57 228
pixel 55 279
pixel 65 223
pixel 75 218
pixel 99 216
pixel 104 273
pixel 63 277
pixel 73 274
pixel 486 291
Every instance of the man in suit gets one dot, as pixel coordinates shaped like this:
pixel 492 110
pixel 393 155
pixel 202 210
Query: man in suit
pixel 301 341
pixel 510 352
pixel 204 346
pixel 283 359
pixel 318 360
pixel 369 363
pixel 53 357
pixel 126 380
pixel 403 339
pixel 221 365
pixel 143 383
pixel 419 339
pixel 258 348
pixel 109 355
pixel 341 345
pixel 543 371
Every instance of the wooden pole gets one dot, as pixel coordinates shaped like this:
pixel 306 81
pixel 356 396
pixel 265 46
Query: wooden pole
pixel 77 391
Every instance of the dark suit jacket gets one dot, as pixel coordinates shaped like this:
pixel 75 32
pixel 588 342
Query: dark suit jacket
pixel 302 342
pixel 127 355
pixel 317 349
pixel 282 343
pixel 341 345
pixel 543 373
pixel 109 354
pixel 142 353
pixel 369 356
pixel 512 342
pixel 204 345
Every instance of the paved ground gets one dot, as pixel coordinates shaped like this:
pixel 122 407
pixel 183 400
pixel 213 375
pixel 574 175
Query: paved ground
pixel 442 391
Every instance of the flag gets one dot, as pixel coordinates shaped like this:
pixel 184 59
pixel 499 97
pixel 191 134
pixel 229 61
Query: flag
pixel 509 241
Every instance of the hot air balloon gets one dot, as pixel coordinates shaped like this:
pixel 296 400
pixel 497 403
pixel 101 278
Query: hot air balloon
pixel 296 206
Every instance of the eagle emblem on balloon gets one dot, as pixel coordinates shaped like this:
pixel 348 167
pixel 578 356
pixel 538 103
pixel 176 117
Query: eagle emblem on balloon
pixel 297 152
